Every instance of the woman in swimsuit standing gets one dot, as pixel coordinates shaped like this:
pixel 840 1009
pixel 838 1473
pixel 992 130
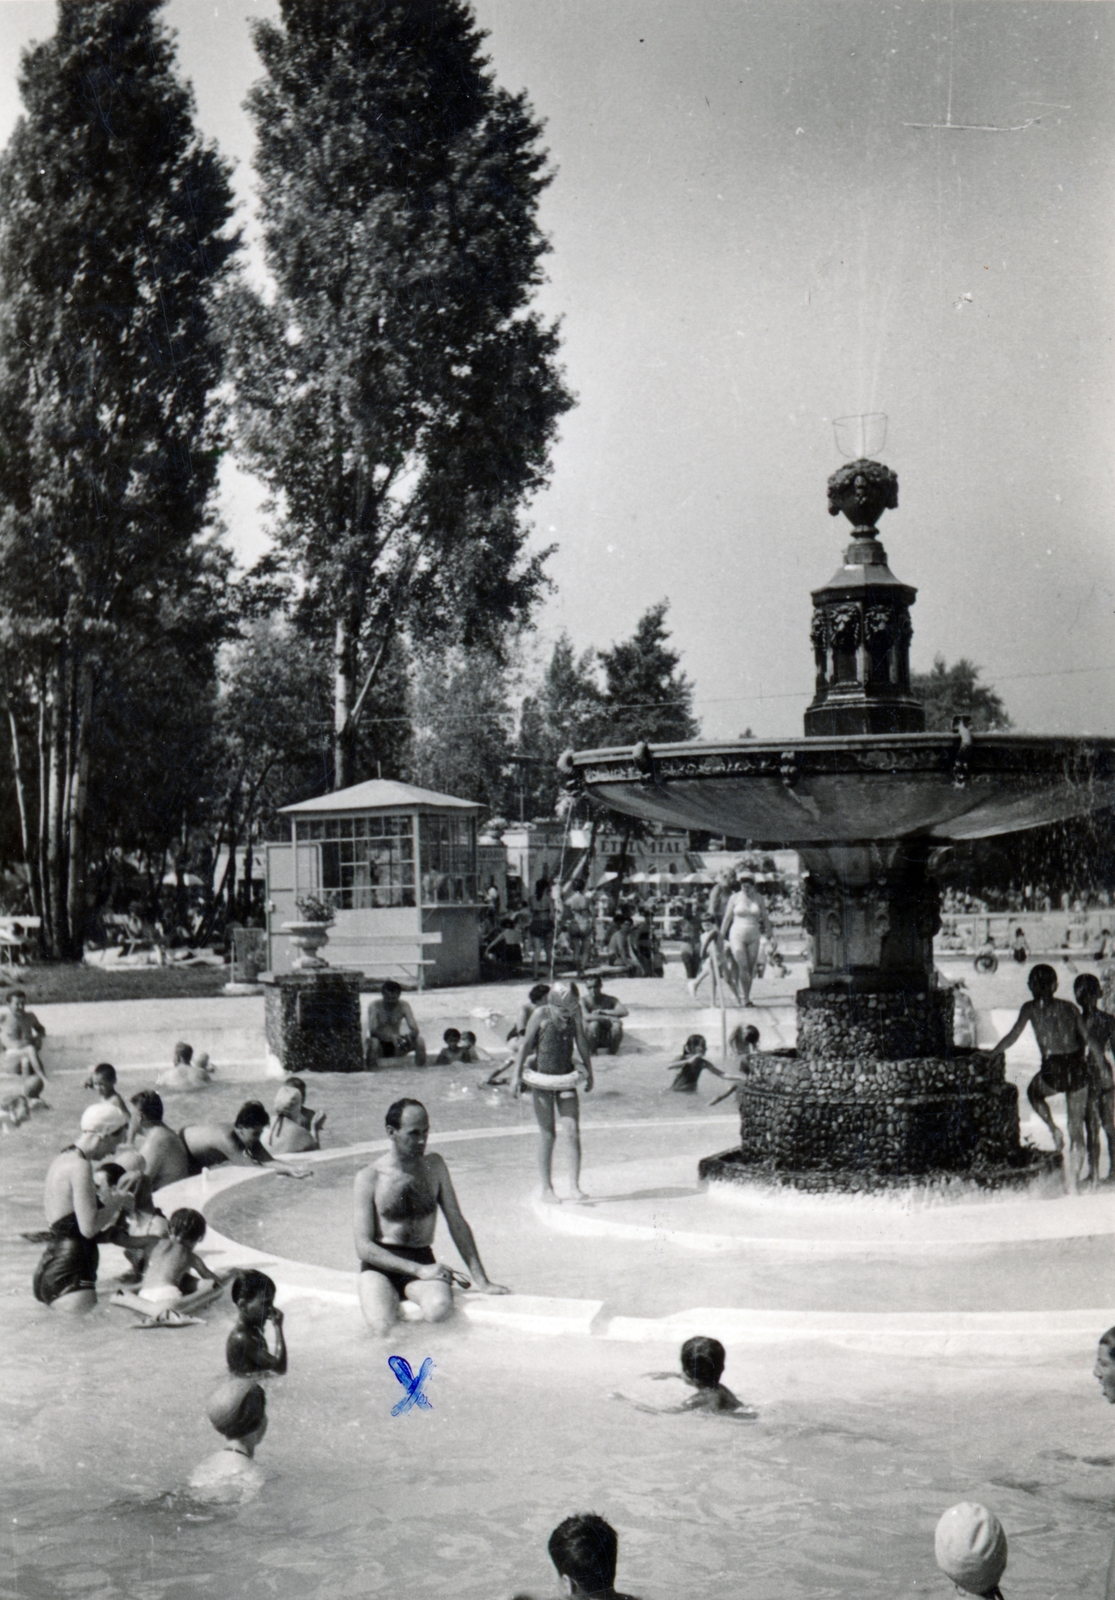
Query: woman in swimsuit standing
pixel 66 1276
pixel 745 922
pixel 552 1031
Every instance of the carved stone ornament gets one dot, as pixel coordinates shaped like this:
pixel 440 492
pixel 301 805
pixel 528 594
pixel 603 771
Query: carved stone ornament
pixel 878 624
pixel 863 490
pixel 844 622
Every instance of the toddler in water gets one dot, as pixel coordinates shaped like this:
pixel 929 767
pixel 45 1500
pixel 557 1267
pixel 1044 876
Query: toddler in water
pixel 238 1411
pixel 168 1276
pixel 133 1228
pixel 248 1349
pixel 103 1079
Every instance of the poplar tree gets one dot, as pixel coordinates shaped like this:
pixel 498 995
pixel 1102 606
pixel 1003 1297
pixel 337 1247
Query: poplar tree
pixel 114 239
pixel 396 391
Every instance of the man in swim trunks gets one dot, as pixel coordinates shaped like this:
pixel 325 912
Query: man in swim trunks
pixel 392 1030
pixel 396 1203
pixel 21 1039
pixel 551 1033
pixel 211 1144
pixel 165 1156
pixel 602 1012
pixel 66 1276
pixel 1063 1041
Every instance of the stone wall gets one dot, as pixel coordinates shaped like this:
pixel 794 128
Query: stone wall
pixel 833 1026
pixel 913 1117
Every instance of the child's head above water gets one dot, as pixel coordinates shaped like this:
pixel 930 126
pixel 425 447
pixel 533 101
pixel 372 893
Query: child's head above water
pixel 253 1293
pixel 103 1079
pixel 695 1045
pixel 538 993
pixel 744 1039
pixel 183 1054
pixel 468 1039
pixel 238 1410
pixel 1087 989
pixel 702 1361
pixel 584 1550
pixel 451 1038
pixel 186 1226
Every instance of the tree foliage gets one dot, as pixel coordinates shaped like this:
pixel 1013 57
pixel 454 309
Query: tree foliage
pixel 645 696
pixel 461 726
pixel 948 692
pixel 562 714
pixel 114 240
pixel 397 393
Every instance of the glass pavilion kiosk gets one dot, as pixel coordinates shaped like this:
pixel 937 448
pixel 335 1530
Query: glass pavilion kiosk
pixel 398 866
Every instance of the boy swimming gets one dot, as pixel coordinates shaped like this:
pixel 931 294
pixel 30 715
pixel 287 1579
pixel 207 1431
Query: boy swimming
pixel 248 1349
pixel 702 1366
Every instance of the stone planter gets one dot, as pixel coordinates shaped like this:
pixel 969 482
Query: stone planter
pixel 309 937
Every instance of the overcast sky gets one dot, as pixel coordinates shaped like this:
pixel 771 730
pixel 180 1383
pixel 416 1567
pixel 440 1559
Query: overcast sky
pixel 754 232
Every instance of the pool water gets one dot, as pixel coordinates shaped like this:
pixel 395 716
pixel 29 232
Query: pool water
pixel 834 1491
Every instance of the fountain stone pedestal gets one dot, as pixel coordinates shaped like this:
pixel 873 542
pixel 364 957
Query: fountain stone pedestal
pixel 312 1020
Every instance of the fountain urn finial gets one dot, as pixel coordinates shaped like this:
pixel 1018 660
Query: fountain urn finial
pixel 863 490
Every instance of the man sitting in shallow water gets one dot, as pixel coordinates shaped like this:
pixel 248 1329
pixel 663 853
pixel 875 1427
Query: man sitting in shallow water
pixel 396 1206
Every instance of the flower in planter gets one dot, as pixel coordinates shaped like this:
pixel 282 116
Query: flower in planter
pixel 311 909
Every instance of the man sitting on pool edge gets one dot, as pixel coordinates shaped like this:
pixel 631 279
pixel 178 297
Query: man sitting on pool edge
pixel 392 1030
pixel 396 1206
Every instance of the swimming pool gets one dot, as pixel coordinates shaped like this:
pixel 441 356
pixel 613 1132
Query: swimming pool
pixel 834 1491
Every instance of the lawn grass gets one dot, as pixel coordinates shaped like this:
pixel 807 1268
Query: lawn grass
pixel 60 982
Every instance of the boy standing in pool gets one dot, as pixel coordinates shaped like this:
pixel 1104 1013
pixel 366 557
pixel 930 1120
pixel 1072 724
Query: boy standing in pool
pixel 1063 1041
pixel 248 1349
pixel 584 1550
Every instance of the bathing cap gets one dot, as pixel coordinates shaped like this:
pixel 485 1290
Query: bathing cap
pixel 103 1117
pixel 287 1100
pixel 971 1547
pixel 236 1407
pixel 561 997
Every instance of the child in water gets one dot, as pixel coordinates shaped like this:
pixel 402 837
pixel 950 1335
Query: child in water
pixel 103 1080
pixel 451 1051
pixel 133 1228
pixel 690 1064
pixel 169 1287
pixel 702 1366
pixel 742 1041
pixel 238 1411
pixel 248 1350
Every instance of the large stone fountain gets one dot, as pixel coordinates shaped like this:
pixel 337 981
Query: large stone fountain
pixel 875 1092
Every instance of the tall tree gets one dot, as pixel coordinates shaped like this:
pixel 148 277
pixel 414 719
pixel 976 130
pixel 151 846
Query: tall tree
pixel 397 393
pixel 563 713
pixel 645 696
pixel 114 239
pixel 948 692
pixel 461 725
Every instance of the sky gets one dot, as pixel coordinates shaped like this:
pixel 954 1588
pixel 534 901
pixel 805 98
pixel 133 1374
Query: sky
pixel 767 214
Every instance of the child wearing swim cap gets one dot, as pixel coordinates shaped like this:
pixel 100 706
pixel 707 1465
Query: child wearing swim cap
pixel 238 1411
pixel 971 1549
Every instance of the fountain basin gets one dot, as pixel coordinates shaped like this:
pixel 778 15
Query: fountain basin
pixel 835 791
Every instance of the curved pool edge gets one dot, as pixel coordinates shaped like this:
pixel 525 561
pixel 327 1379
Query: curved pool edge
pixel 928 1335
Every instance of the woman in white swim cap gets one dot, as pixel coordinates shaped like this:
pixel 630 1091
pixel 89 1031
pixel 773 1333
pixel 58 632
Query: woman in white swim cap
pixel 552 1032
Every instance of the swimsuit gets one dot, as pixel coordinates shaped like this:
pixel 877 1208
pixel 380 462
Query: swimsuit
pixel 420 1254
pixel 68 1263
pixel 688 1074
pixel 1064 1074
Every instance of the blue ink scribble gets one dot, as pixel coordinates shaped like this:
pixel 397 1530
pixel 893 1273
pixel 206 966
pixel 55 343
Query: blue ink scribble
pixel 411 1383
